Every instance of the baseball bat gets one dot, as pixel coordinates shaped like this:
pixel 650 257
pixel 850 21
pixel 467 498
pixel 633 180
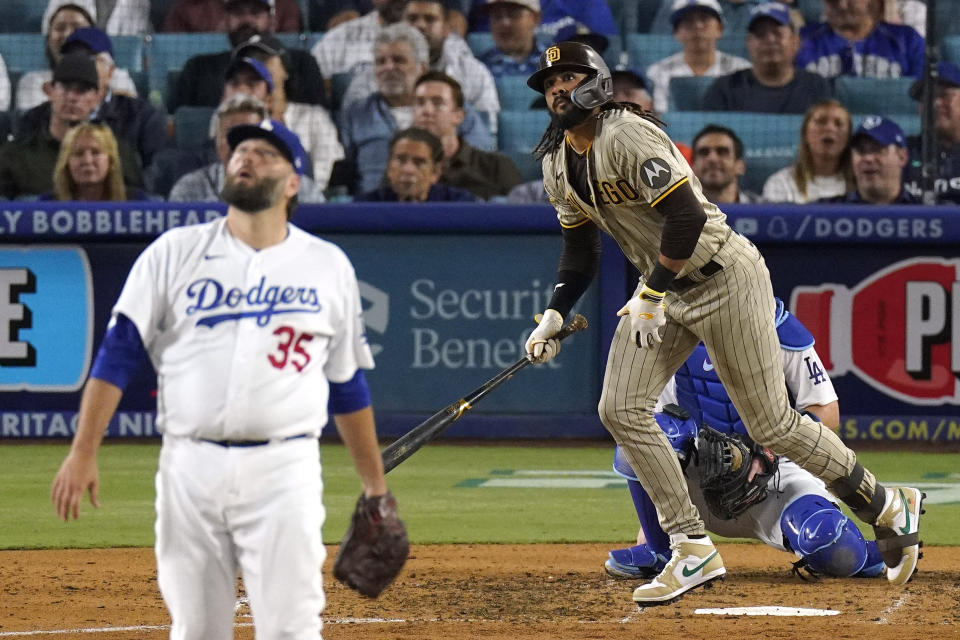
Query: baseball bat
pixel 405 446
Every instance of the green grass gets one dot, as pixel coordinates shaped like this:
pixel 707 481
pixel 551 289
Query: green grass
pixel 436 489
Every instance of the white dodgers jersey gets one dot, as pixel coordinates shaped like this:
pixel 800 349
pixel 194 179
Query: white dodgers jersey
pixel 245 341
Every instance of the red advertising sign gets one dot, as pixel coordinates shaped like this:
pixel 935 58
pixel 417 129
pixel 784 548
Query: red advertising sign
pixel 898 330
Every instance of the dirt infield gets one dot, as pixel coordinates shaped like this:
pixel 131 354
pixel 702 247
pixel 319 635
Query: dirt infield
pixel 521 592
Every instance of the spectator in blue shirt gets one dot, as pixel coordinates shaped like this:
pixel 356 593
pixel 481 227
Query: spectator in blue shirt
pixel 413 171
pixel 773 84
pixel 879 153
pixel 559 19
pixel 852 42
pixel 513 24
pixel 947 121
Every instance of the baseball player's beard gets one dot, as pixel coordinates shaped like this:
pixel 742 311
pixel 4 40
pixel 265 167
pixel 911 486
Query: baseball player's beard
pixel 251 198
pixel 571 117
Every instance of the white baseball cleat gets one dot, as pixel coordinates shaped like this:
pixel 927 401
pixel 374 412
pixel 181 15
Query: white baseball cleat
pixel 695 562
pixel 897 530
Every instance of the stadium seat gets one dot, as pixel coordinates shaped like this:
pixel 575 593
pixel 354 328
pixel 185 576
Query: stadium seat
pixel 686 94
pixel 886 96
pixel 643 49
pixel 528 165
pixel 479 42
pixel 515 95
pixel 950 49
pixel 760 168
pixel 338 87
pixel 128 52
pixel 142 82
pixel 191 126
pixel 521 130
pixel 295 40
pixel 21 16
pixel 24 51
pixel 910 123
pixel 769 139
pixel 166 51
pixel 947 20
pixel 164 92
pixel 811 10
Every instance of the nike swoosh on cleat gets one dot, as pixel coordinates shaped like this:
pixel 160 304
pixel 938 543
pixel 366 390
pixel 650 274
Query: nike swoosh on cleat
pixel 689 572
pixel 906 507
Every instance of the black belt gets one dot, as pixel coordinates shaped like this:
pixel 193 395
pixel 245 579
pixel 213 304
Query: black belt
pixel 253 443
pixel 701 274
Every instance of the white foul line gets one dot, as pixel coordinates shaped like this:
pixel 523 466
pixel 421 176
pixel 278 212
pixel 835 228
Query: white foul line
pixel 892 608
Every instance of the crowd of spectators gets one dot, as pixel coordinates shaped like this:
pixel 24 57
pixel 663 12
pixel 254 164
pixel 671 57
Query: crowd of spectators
pixel 401 99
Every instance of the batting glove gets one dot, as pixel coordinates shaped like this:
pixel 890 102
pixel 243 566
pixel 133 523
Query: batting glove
pixel 647 314
pixel 541 346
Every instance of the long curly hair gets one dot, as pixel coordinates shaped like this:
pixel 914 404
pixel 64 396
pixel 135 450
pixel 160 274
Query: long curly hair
pixel 553 136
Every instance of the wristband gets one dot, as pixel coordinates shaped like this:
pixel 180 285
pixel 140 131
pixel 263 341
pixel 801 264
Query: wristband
pixel 648 294
pixel 660 278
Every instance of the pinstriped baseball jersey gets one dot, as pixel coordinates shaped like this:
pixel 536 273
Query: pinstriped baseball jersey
pixel 633 166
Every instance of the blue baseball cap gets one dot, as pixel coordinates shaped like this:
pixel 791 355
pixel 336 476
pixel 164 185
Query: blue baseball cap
pixel 286 141
pixel 257 66
pixel 948 75
pixel 881 130
pixel 680 8
pixel 776 11
pixel 90 37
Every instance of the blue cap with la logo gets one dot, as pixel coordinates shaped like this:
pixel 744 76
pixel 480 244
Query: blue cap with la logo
pixel 286 141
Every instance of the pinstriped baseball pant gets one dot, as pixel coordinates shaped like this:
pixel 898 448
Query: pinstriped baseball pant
pixel 733 314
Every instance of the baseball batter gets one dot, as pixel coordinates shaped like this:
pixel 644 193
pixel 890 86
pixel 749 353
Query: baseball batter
pixel 252 326
pixel 610 167
pixel 788 509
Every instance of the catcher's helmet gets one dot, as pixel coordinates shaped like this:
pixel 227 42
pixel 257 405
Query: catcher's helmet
pixel 595 90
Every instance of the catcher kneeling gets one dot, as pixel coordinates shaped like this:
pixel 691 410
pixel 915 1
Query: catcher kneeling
pixel 741 489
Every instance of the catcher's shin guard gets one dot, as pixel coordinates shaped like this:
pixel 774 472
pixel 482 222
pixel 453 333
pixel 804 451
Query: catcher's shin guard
pixel 824 539
pixel 695 563
pixel 639 561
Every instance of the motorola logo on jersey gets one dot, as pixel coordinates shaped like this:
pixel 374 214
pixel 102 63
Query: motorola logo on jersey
pixel 46 318
pixel 209 294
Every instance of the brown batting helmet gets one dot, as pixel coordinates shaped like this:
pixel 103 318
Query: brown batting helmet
pixel 595 90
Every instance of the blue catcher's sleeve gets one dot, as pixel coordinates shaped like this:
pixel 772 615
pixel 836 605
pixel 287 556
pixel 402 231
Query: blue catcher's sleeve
pixel 120 353
pixel 791 332
pixel 349 396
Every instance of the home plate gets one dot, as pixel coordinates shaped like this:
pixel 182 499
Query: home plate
pixel 766 611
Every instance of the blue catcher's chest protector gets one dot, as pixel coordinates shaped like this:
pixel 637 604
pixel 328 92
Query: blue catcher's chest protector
pixel 700 391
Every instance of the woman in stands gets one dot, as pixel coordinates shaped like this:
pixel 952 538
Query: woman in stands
pixel 88 167
pixel 822 168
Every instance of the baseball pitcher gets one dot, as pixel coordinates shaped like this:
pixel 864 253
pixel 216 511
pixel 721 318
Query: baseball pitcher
pixel 609 166
pixel 253 327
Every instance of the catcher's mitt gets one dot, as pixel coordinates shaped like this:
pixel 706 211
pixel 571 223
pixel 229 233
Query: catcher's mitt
pixel 374 548
pixel 724 463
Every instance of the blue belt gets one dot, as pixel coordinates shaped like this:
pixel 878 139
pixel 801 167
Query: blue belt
pixel 253 443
